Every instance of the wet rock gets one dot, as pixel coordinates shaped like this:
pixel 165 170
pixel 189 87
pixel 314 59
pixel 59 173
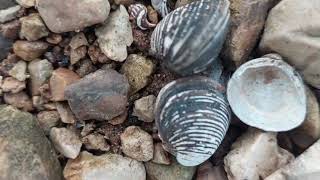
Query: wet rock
pixel 115 35
pixel 5 46
pixel 26 3
pixel 40 71
pixel 288 33
pixel 173 172
pixel 95 142
pixel 19 100
pixel 160 156
pixel 144 107
pixel 305 166
pixel 137 143
pixel 107 166
pixel 9 13
pixel 138 70
pixel 65 113
pixel 25 151
pixel 33 28
pixel 119 119
pixel 73 15
pixel 207 171
pixel 255 155
pixel 18 71
pixel 309 132
pixel 10 30
pixel 54 38
pixel 247 21
pixel 59 80
pixel 66 142
pixel 48 120
pixel 28 50
pixel 12 85
pixel 85 67
pixel 101 95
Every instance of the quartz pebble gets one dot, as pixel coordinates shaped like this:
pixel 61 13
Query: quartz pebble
pixel 66 142
pixel 255 155
pixel 137 143
pixel 138 70
pixel 115 35
pixel 48 120
pixel 40 71
pixel 101 95
pixel 65 113
pixel 144 108
pixel 19 100
pixel 72 15
pixel 28 50
pixel 95 142
pixel 107 166
pixel 18 71
pixel 59 80
pixel 160 156
pixel 12 85
pixel 32 27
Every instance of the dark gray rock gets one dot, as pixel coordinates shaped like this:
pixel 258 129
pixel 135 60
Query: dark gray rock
pixel 4 4
pixel 5 46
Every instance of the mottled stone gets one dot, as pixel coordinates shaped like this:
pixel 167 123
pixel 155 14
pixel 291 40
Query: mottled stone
pixel 72 15
pixel 144 108
pixel 115 35
pixel 255 155
pixel 107 166
pixel 78 40
pixel 28 50
pixel 66 142
pixel 207 171
pixel 5 46
pixel 95 142
pixel 48 120
pixel 77 54
pixel 138 70
pixel 173 172
pixel 10 30
pixel 40 71
pixel 12 85
pixel 160 156
pixel 65 113
pixel 9 13
pixel 247 21
pixel 85 67
pixel 19 100
pixel 18 71
pixel 137 143
pixel 59 80
pixel 33 28
pixel 25 151
pixel 101 95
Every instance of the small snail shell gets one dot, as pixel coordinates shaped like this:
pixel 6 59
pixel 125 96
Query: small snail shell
pixel 192 117
pixel 190 38
pixel 139 13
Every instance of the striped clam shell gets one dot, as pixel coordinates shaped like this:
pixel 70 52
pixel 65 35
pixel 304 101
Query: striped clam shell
pixel 139 13
pixel 190 38
pixel 192 116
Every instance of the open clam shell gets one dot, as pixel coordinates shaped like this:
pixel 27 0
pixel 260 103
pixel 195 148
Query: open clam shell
pixel 268 94
pixel 191 37
pixel 192 116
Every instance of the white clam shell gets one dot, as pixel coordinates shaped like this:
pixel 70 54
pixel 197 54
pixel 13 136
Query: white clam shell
pixel 268 94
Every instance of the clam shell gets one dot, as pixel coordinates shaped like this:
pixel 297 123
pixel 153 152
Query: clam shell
pixel 191 37
pixel 192 116
pixel 268 94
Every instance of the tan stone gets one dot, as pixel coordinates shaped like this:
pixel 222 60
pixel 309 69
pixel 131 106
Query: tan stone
pixel 19 100
pixel 26 3
pixel 40 72
pixel 78 40
pixel 59 80
pixel 19 71
pixel 28 50
pixel 95 142
pixel 160 156
pixel 119 119
pixel 13 85
pixel 48 120
pixel 65 113
pixel 144 108
pixel 32 27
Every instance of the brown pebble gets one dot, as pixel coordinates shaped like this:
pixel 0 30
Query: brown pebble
pixel 77 54
pixel 33 28
pixel 78 40
pixel 13 85
pixel 207 171
pixel 85 67
pixel 28 50
pixel 11 29
pixel 47 120
pixel 96 55
pixel 119 119
pixel 54 38
pixel 19 100
pixel 65 113
pixel 152 15
pixel 95 142
pixel 160 156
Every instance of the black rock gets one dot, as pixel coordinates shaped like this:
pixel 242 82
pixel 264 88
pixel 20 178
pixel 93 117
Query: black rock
pixel 5 46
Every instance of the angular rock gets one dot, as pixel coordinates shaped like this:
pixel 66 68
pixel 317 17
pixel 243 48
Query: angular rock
pixel 207 171
pixel 25 151
pixel 85 67
pixel 65 113
pixel 26 3
pixel 40 72
pixel 12 85
pixel 48 120
pixel 77 54
pixel 28 50
pixel 59 80
pixel 137 143
pixel 10 30
pixel 5 46
pixel 78 40
pixel 160 156
pixel 9 13
pixel 152 15
pixel 95 142
pixel 255 155
pixel 66 142
pixel 19 100
pixel 18 71
pixel 173 172
pixel 247 21
pixel 101 95
pixel 306 166
pixel 33 28
pixel 54 38
pixel 96 55
pixel 72 15
pixel 309 132
pixel 144 108
pixel 38 102
pixel 119 119
pixel 138 70
pixel 107 166
pixel 115 35
pixel 292 30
